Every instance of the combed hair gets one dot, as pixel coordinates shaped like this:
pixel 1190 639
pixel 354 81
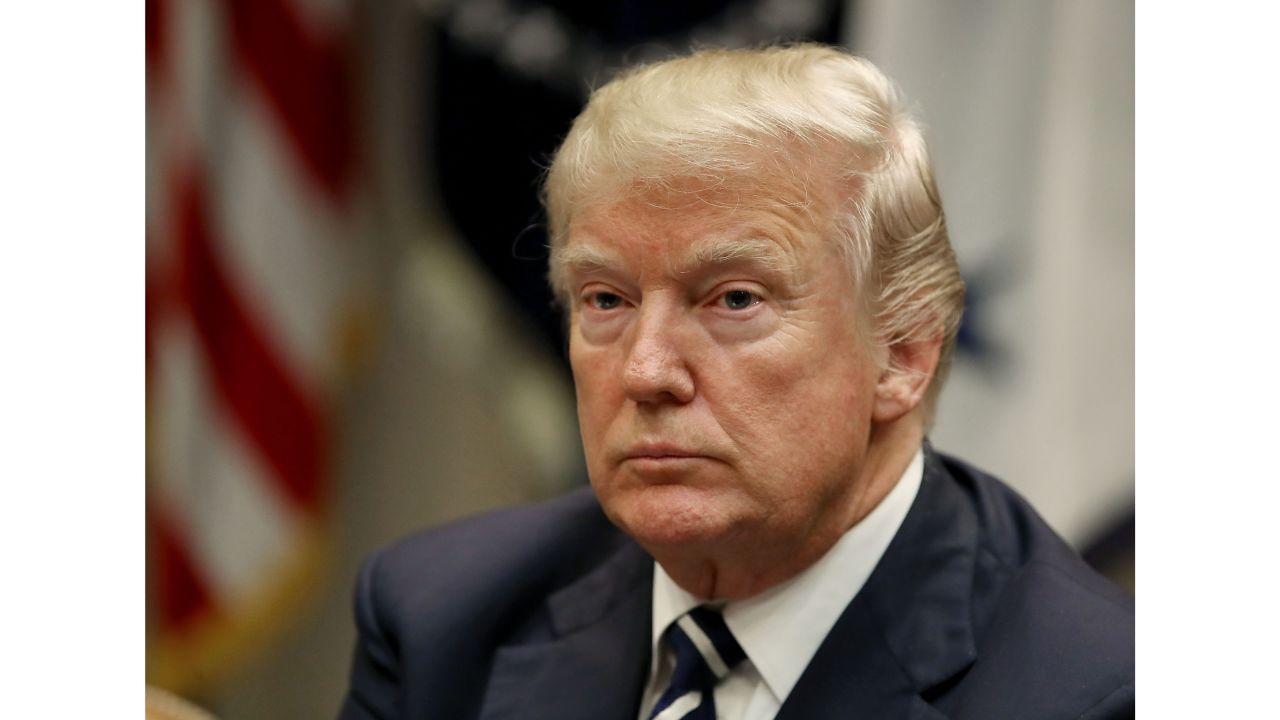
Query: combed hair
pixel 803 124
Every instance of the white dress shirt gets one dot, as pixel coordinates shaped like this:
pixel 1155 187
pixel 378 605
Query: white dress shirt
pixel 781 629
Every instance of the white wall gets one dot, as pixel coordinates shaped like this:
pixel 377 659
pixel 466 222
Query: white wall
pixel 1030 110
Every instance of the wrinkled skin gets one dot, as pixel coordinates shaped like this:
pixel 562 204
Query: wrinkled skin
pixel 735 420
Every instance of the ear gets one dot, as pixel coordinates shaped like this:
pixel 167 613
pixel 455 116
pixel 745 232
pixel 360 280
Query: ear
pixel 905 379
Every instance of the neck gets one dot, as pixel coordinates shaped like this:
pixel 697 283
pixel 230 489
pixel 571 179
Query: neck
pixel 747 564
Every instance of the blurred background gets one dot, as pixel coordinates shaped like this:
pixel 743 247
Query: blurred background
pixel 348 333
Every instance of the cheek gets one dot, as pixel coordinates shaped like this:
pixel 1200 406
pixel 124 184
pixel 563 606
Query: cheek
pixel 598 392
pixel 752 395
pixel 795 405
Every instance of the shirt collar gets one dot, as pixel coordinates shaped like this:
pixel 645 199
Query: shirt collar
pixel 782 628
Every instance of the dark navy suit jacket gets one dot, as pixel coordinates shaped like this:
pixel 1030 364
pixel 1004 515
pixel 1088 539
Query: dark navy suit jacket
pixel 976 611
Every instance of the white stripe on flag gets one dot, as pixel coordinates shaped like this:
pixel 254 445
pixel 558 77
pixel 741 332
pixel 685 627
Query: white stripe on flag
pixel 198 37
pixel 283 243
pixel 238 526
pixel 704 645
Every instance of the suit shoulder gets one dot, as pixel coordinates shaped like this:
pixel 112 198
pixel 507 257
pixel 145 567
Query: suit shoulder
pixel 461 566
pixel 1014 538
pixel 1054 647
pixel 1051 631
pixel 500 532
pixel 431 608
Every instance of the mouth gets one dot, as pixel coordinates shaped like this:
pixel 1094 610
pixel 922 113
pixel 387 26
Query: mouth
pixel 660 452
pixel 661 463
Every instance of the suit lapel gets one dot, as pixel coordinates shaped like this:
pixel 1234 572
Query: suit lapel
pixel 909 630
pixel 905 637
pixel 597 663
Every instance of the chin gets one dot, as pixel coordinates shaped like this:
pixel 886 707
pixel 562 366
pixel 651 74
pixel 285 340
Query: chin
pixel 667 516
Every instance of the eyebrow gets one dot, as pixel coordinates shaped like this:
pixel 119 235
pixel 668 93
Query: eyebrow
pixel 585 258
pixel 756 250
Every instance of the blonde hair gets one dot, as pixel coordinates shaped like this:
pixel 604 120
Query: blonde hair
pixel 804 119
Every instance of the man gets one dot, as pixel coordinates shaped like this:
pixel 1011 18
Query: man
pixel 762 300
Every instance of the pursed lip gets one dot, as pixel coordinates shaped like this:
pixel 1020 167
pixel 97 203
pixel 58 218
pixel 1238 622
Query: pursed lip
pixel 660 451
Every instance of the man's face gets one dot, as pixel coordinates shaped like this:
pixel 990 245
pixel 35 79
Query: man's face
pixel 724 392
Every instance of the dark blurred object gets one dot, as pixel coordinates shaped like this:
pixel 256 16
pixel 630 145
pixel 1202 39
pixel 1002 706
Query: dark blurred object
pixel 1113 552
pixel 512 76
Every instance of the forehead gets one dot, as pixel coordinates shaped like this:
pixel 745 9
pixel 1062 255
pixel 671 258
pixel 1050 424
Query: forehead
pixel 687 225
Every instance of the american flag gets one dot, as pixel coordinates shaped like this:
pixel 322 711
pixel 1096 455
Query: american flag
pixel 252 179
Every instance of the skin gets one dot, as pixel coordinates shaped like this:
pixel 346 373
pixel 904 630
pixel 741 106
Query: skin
pixel 735 420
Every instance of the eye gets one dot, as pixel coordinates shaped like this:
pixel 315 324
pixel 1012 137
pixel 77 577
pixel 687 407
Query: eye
pixel 739 299
pixel 604 300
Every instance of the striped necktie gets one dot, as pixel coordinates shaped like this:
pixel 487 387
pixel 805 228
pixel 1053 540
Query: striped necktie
pixel 705 653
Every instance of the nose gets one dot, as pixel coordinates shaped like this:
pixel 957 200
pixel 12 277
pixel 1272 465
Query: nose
pixel 656 370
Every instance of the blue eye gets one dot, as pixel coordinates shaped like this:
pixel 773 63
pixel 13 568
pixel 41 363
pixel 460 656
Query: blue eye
pixel 738 299
pixel 604 300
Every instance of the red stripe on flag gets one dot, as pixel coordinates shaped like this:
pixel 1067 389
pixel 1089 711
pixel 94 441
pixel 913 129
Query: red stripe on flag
pixel 157 18
pixel 306 81
pixel 277 417
pixel 182 595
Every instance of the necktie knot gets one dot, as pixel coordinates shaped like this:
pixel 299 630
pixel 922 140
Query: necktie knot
pixel 705 653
